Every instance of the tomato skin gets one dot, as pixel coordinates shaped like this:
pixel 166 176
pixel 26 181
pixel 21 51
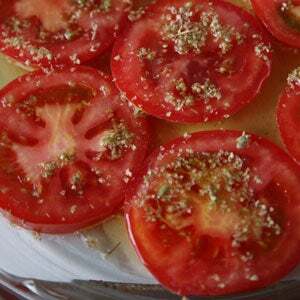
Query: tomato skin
pixel 129 72
pixel 269 15
pixel 34 54
pixel 191 278
pixel 57 212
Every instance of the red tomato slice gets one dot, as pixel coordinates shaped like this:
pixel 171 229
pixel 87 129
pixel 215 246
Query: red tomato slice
pixel 217 213
pixel 192 61
pixel 68 149
pixel 288 112
pixel 281 18
pixel 52 33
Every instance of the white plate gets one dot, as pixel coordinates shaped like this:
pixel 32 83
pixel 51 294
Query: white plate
pixel 67 257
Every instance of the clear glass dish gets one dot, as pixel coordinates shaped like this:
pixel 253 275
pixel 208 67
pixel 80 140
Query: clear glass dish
pixel 98 290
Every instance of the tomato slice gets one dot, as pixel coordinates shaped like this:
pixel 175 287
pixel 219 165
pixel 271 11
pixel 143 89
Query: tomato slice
pixel 288 112
pixel 281 18
pixel 52 33
pixel 69 147
pixel 192 61
pixel 216 213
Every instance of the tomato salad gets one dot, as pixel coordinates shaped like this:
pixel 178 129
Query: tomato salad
pixel 69 147
pixel 210 213
pixel 281 18
pixel 192 61
pixel 215 213
pixel 53 33
pixel 288 112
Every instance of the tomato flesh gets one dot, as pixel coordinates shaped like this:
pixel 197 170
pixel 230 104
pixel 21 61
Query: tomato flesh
pixel 281 18
pixel 69 147
pixel 220 210
pixel 49 33
pixel 288 112
pixel 182 60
